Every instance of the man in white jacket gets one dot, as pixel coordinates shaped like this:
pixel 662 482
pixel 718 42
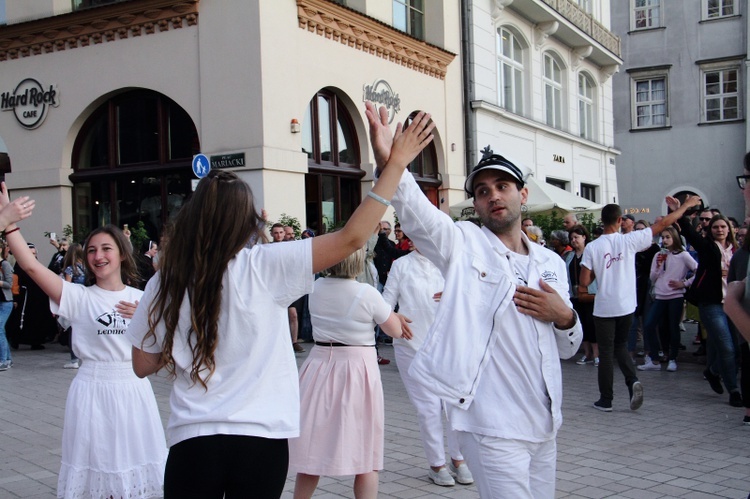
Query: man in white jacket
pixel 502 325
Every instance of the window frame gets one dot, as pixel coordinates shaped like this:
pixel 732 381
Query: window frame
pixel 641 76
pixel 721 68
pixel 558 91
pixel 557 182
pixel 516 67
pixel 589 187
pixel 418 30
pixel 650 5
pixel 706 16
pixel 590 102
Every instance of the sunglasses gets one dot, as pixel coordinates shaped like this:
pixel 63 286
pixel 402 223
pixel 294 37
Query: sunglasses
pixel 742 181
pixel 705 219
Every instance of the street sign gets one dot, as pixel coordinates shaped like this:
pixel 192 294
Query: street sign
pixel 201 165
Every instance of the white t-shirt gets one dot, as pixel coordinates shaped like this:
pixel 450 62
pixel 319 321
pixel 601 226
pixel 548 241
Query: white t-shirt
pixel 254 389
pixel 98 329
pixel 518 394
pixel 412 283
pixel 611 258
pixel 346 311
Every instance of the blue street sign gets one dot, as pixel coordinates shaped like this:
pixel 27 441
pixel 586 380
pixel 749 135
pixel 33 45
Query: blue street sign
pixel 201 165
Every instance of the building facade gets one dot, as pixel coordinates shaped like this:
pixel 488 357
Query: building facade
pixel 680 98
pixel 540 90
pixel 105 103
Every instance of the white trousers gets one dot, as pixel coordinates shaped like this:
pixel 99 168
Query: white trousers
pixel 510 468
pixel 429 413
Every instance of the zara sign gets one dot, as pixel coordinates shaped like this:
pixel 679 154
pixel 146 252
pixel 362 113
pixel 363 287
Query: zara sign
pixel 30 102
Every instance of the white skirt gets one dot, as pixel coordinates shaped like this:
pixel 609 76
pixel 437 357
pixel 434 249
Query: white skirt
pixel 113 441
pixel 341 415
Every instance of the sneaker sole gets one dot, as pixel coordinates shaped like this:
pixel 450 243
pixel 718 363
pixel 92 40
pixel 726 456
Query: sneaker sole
pixel 636 401
pixel 445 484
pixel 603 409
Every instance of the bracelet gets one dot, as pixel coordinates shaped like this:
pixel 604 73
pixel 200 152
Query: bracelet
pixel 379 199
pixel 11 231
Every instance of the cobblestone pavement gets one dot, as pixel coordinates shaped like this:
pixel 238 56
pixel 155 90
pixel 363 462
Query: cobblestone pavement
pixel 684 442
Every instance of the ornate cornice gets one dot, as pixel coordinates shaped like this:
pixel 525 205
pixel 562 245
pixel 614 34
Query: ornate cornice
pixel 364 33
pixel 93 26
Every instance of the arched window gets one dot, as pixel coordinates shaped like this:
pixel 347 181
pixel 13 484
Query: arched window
pixel 586 106
pixel 510 71
pixel 132 163
pixel 425 170
pixel 553 91
pixel 332 186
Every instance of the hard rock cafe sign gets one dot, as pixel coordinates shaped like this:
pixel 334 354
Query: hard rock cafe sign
pixel 30 102
pixel 381 93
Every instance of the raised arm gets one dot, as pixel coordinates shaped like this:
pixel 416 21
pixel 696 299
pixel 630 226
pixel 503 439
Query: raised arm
pixel 677 213
pixel 330 249
pixel 14 211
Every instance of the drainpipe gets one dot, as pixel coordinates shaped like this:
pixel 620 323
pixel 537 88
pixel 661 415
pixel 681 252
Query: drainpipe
pixel 467 67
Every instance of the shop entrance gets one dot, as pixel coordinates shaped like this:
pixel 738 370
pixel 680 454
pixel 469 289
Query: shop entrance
pixel 132 162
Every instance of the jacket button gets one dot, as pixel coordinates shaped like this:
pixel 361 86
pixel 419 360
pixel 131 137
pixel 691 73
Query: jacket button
pixel 484 274
pixel 461 401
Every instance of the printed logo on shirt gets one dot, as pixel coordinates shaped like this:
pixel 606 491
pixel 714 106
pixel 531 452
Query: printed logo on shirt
pixel 113 323
pixel 609 259
pixel 549 276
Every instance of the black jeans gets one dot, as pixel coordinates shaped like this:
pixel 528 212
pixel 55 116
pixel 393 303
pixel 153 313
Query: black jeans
pixel 612 337
pixel 231 466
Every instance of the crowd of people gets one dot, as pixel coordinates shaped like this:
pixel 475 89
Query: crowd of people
pixel 479 316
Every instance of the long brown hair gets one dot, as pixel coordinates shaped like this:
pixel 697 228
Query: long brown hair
pixel 730 233
pixel 209 230
pixel 128 269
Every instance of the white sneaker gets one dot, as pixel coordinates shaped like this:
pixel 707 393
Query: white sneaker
pixel 596 361
pixel 441 477
pixel 73 364
pixel 647 359
pixel 672 366
pixel 582 361
pixel 463 475
pixel 650 366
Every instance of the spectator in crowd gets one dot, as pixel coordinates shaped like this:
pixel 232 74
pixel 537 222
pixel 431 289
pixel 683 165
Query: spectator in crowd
pixel 340 388
pixel 6 305
pixel 642 285
pixel 402 243
pixel 289 233
pixel 55 263
pixel 669 271
pixel 277 233
pixel 583 302
pixel 715 251
pixel 569 221
pixel 73 271
pixel 628 224
pixel 741 233
pixel 611 260
pixel 526 223
pixel 558 242
pixel 415 285
pixel 145 262
pixel 535 234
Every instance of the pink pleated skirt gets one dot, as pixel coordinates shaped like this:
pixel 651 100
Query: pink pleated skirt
pixel 341 413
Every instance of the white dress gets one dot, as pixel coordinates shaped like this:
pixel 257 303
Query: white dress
pixel 113 439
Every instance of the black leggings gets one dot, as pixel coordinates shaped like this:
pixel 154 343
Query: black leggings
pixel 231 466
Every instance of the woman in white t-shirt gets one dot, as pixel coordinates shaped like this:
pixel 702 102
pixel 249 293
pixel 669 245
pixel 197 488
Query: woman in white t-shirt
pixel 215 316
pixel 340 387
pixel 113 441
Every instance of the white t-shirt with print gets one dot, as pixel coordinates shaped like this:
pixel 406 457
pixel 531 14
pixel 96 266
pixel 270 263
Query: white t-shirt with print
pixel 254 389
pixel 98 329
pixel 612 259
pixel 343 311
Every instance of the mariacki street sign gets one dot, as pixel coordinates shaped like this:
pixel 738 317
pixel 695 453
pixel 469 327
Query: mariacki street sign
pixel 29 102
pixel 228 160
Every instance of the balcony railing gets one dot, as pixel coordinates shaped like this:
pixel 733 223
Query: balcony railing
pixel 586 23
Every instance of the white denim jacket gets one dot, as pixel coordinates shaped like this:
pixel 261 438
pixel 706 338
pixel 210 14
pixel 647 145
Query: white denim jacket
pixel 477 293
